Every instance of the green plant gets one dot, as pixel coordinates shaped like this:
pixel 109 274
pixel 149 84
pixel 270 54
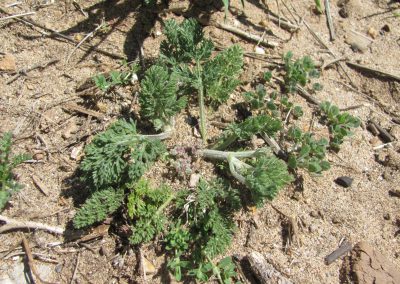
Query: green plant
pixel 145 208
pixel 299 72
pixel 158 98
pixel 307 152
pixel 318 5
pixel 98 207
pixel 115 78
pixel 8 185
pixel 203 231
pixel 340 124
pixel 188 54
pixel 252 125
pixel 262 173
pixel 118 154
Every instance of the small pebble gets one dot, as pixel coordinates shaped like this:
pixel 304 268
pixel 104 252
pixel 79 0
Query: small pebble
pixel 386 216
pixel 259 50
pixel 336 220
pixel 344 181
pixel 314 214
pixel 372 32
pixel 59 268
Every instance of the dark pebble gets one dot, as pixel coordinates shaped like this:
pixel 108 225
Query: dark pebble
pixel 344 181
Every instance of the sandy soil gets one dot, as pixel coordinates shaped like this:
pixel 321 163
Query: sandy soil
pixel 36 108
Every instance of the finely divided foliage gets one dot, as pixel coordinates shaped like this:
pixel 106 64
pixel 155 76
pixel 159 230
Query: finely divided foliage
pixel 8 185
pixel 200 224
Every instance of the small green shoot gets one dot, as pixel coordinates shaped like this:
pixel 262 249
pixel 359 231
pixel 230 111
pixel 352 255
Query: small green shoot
pixel 340 124
pixel 298 72
pixel 8 185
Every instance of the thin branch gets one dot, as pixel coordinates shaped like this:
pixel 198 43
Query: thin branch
pixel 17 16
pixel 84 39
pixel 374 71
pixel 24 71
pixel 31 262
pixel 329 20
pixel 12 224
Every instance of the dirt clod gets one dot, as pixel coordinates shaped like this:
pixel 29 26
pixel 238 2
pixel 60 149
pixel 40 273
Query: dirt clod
pixel 7 63
pixel 366 265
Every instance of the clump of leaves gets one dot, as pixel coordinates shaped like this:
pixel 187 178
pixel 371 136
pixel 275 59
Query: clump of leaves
pixel 262 173
pixel 299 72
pixel 98 207
pixel 145 208
pixel 340 124
pixel 182 160
pixel 188 54
pixel 116 78
pixel 252 125
pixel 158 98
pixel 8 185
pixel 203 231
pixel 114 158
pixel 277 105
pixel 307 152
pixel 118 154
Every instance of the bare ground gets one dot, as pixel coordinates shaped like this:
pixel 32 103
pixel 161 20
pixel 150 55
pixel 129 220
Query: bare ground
pixel 36 108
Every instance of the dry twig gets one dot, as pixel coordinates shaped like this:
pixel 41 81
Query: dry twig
pixel 374 71
pixel 17 16
pixel 24 71
pixel 12 224
pixel 31 262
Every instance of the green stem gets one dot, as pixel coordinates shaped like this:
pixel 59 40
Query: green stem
pixel 226 142
pixel 202 111
pixel 222 155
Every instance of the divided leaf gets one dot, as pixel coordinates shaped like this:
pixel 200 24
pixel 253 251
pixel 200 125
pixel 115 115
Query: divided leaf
pixel 185 42
pixel 118 154
pixel 158 99
pixel 98 207
pixel 221 74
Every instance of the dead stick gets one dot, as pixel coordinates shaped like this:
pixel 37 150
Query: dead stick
pixel 69 39
pixel 265 271
pixel 31 262
pixel 24 71
pixel 84 39
pixel 383 133
pixel 76 269
pixel 17 16
pixel 344 248
pixel 375 71
pixel 12 224
pixel 39 185
pixel 282 23
pixel 320 41
pixel 246 35
pixel 329 20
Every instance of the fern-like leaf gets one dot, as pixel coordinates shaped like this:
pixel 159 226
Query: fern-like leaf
pixel 117 154
pixel 158 99
pixel 98 207
pixel 266 177
pixel 221 74
pixel 185 42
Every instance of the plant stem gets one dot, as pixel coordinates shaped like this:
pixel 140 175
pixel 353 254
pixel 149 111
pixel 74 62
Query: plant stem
pixel 202 109
pixel 222 155
pixel 226 142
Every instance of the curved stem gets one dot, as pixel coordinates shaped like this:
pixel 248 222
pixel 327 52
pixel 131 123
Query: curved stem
pixel 222 155
pixel 202 111
pixel 233 164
